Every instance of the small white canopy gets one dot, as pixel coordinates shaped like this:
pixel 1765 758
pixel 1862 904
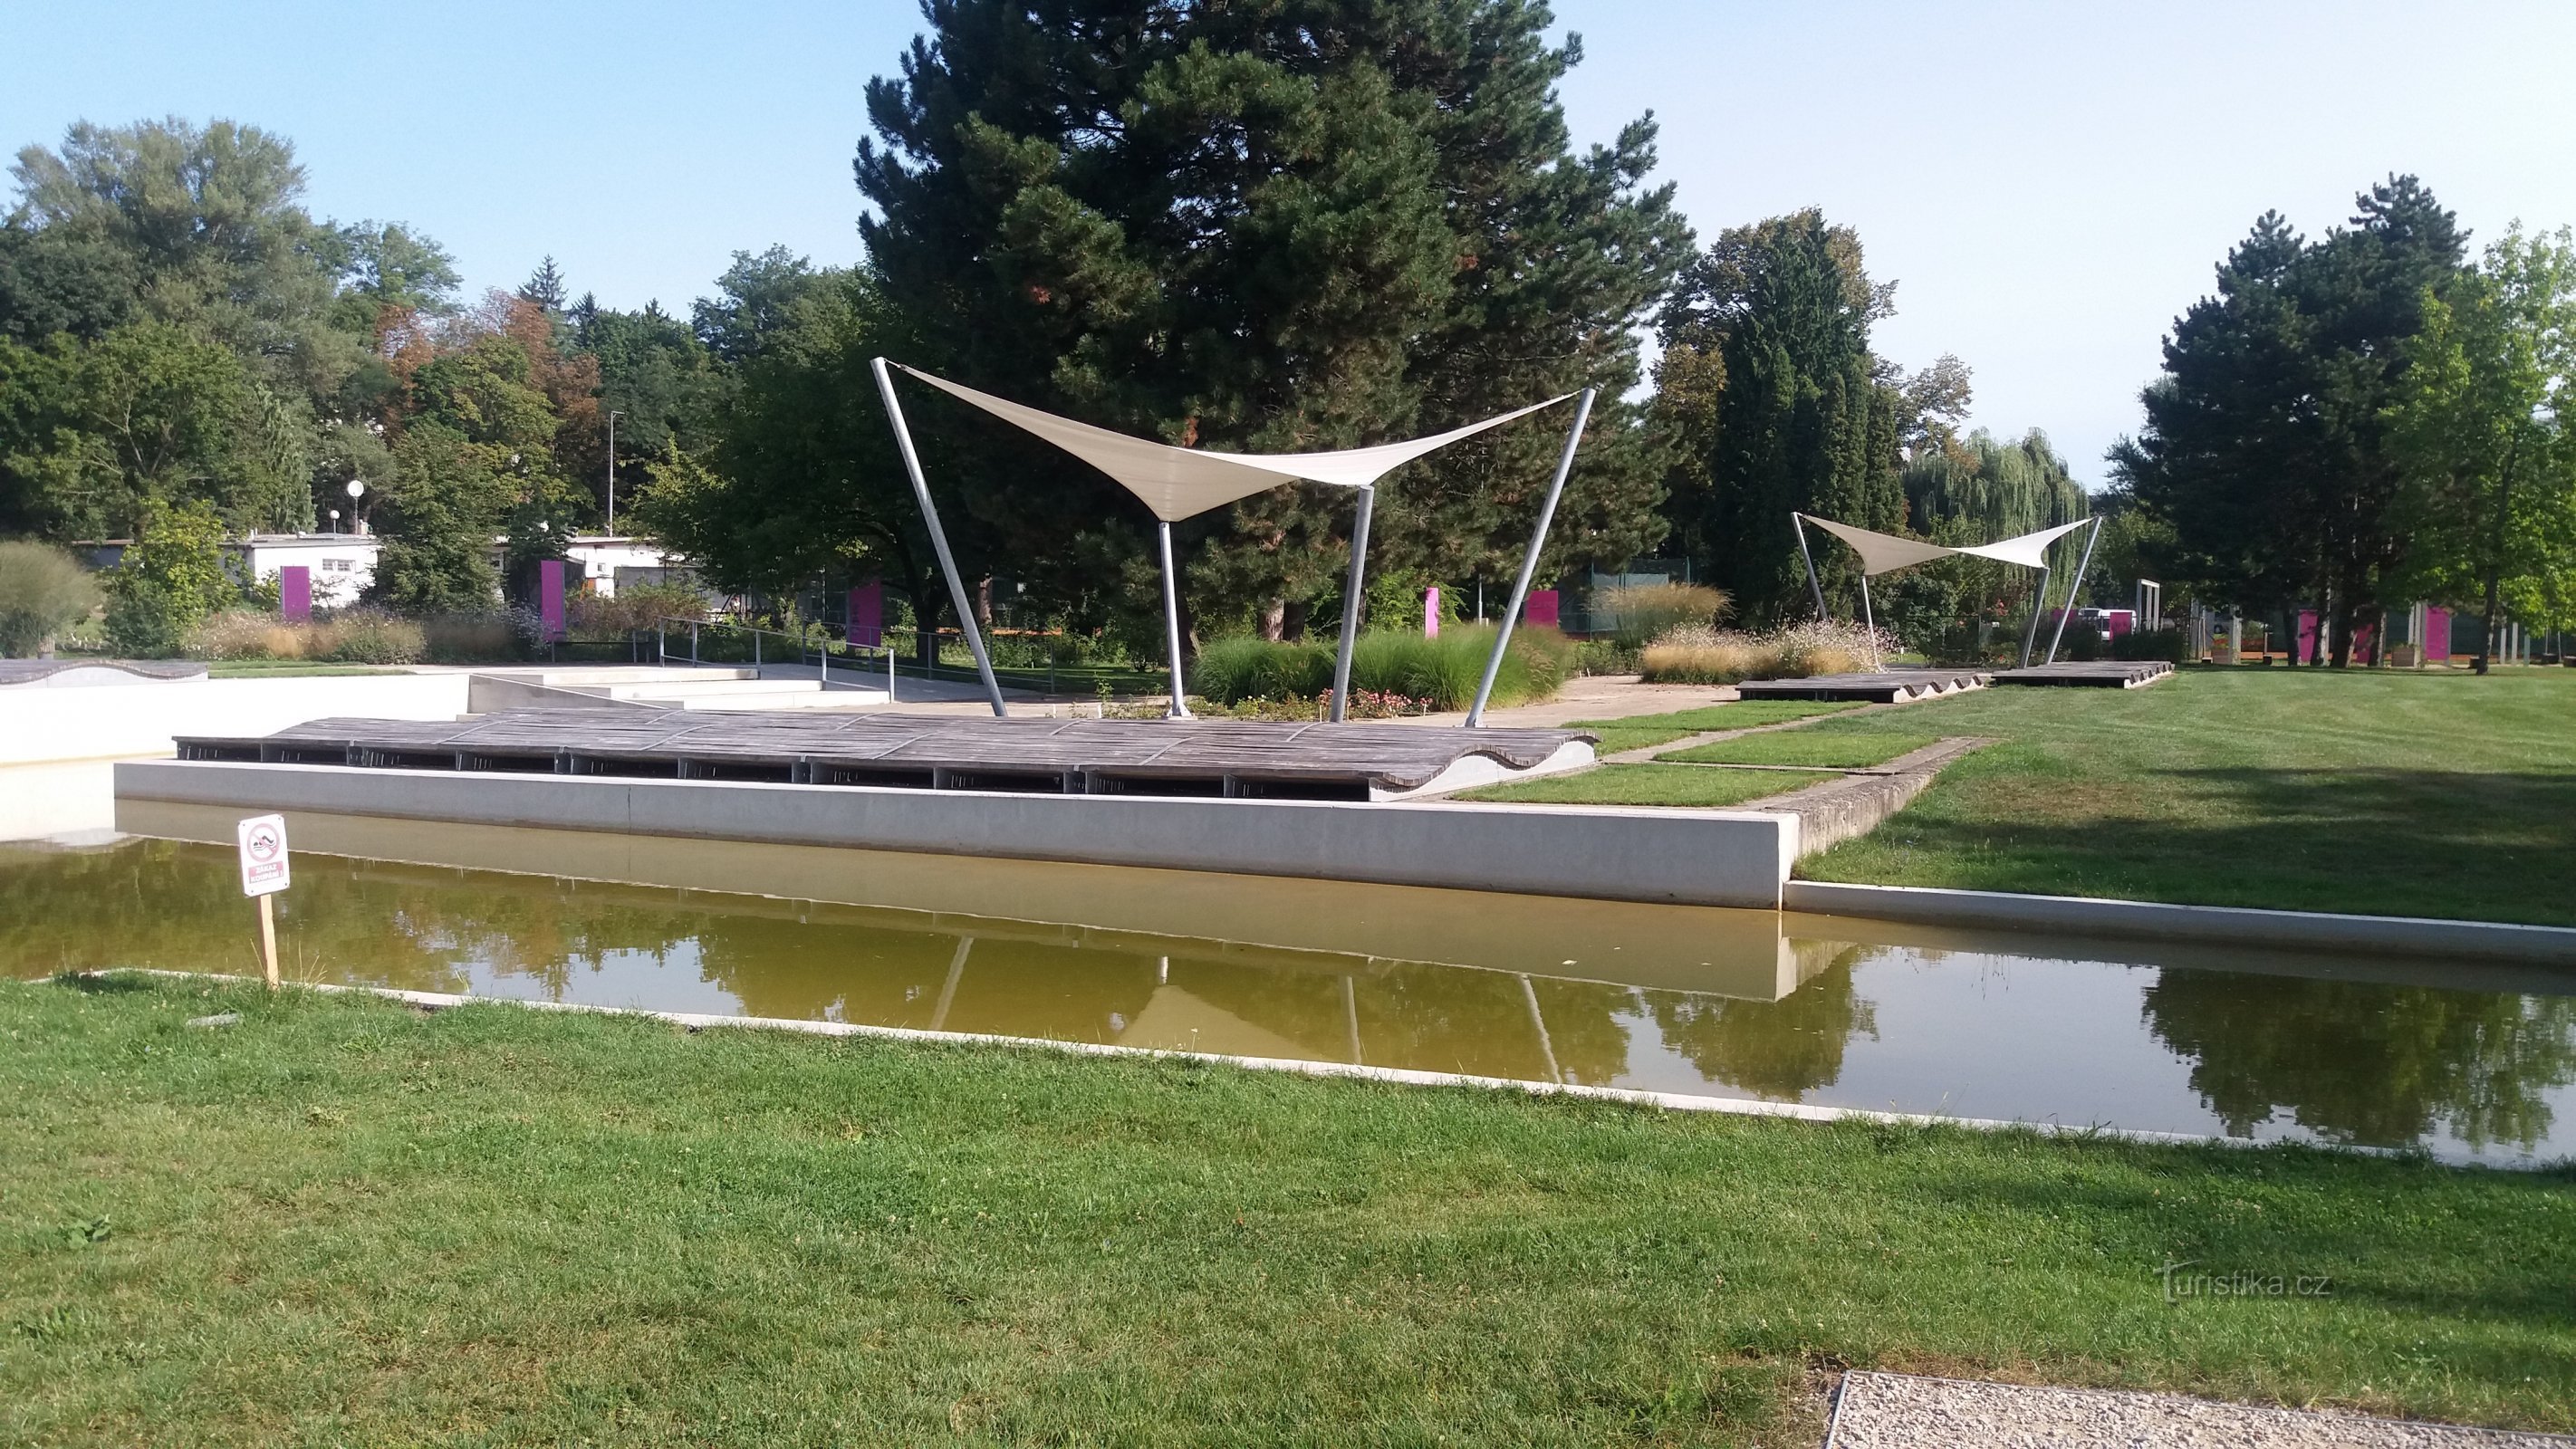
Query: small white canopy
pixel 1884 553
pixel 1179 482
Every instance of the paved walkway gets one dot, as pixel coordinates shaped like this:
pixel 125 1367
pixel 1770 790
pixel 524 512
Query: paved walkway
pixel 1900 1411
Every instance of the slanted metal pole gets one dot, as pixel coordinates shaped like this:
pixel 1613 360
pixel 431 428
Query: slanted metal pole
pixel 2038 606
pixel 939 542
pixel 1869 623
pixel 1813 583
pixel 2076 590
pixel 1352 598
pixel 1529 561
pixel 1172 619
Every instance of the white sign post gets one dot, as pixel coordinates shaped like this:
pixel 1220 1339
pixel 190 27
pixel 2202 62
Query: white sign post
pixel 264 874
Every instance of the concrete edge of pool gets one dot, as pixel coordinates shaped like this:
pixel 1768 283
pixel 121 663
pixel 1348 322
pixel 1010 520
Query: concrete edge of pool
pixel 1399 1076
pixel 1646 854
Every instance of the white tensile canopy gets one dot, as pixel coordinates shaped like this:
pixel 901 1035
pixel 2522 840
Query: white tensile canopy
pixel 1177 483
pixel 1882 553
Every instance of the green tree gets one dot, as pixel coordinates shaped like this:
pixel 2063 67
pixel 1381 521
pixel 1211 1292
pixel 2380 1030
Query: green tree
pixel 2266 447
pixel 1804 420
pixel 170 576
pixel 443 504
pixel 1265 228
pixel 2489 502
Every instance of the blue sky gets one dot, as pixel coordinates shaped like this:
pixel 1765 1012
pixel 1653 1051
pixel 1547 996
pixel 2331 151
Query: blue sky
pixel 2049 183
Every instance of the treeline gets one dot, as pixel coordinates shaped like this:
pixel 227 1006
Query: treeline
pixel 2366 421
pixel 1249 229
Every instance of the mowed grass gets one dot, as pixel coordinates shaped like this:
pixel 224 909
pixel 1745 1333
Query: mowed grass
pixel 1802 747
pixel 2377 792
pixel 1639 731
pixel 342 1221
pixel 1647 785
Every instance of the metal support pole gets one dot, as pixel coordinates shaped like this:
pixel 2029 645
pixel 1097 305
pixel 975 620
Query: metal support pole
pixel 2038 606
pixel 939 543
pixel 1172 619
pixel 889 648
pixel 1529 561
pixel 1813 583
pixel 1353 597
pixel 2076 590
pixel 1869 623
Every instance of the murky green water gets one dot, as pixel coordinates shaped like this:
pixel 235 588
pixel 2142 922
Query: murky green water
pixel 2463 1061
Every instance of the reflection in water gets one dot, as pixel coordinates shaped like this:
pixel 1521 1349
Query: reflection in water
pixel 1982 1033
pixel 2368 1064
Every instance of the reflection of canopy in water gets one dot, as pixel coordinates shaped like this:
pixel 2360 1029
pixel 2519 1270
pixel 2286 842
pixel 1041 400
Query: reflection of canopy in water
pixel 1882 553
pixel 1177 483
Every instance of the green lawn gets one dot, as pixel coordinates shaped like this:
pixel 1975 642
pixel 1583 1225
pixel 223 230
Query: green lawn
pixel 2395 793
pixel 1642 731
pixel 1648 785
pixel 1804 747
pixel 277 668
pixel 344 1222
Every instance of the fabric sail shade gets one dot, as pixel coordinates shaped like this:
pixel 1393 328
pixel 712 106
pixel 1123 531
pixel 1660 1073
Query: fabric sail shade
pixel 1177 483
pixel 1885 553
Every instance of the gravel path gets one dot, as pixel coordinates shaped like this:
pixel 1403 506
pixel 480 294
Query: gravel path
pixel 1899 1411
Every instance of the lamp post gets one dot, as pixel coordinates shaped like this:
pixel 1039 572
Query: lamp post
pixel 335 520
pixel 612 471
pixel 357 490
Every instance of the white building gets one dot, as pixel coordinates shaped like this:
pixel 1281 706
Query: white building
pixel 342 564
pixel 606 561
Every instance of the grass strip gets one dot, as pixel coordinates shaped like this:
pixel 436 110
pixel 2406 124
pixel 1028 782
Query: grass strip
pixel 2389 792
pixel 1802 747
pixel 1742 714
pixel 1647 785
pixel 340 1221
pixel 286 668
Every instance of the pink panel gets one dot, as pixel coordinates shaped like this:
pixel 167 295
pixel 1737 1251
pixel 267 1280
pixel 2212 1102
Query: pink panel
pixel 295 592
pixel 2307 635
pixel 1431 612
pixel 2122 621
pixel 550 596
pixel 1541 608
pixel 2437 633
pixel 867 614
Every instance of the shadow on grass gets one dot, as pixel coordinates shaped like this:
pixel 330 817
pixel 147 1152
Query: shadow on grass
pixel 2364 840
pixel 109 983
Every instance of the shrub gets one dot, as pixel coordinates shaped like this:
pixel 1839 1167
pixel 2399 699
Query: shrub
pixel 43 591
pixel 246 634
pixel 143 622
pixel 1230 671
pixel 1647 612
pixel 478 638
pixel 368 636
pixel 636 606
pixel 1727 656
pixel 2170 644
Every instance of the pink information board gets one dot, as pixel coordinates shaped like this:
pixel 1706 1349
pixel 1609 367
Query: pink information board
pixel 1541 608
pixel 295 593
pixel 550 596
pixel 867 614
pixel 1431 612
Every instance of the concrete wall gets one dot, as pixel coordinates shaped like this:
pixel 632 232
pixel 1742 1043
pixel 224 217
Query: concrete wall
pixel 1715 858
pixel 126 721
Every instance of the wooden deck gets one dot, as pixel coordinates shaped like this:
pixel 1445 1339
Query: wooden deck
pixel 1230 758
pixel 2089 674
pixel 1888 686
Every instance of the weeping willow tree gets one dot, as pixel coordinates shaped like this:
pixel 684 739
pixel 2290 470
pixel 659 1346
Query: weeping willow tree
pixel 1996 489
pixel 1976 491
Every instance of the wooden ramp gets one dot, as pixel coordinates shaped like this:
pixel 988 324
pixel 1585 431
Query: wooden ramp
pixel 2089 674
pixel 1889 686
pixel 1237 759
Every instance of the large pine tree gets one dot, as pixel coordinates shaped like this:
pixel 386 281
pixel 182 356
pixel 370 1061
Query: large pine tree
pixel 1289 226
pixel 2266 448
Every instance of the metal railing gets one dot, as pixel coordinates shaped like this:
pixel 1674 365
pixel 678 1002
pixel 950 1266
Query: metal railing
pixel 793 650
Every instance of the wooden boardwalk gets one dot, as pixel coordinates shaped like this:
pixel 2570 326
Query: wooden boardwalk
pixel 2089 674
pixel 1230 758
pixel 1887 686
